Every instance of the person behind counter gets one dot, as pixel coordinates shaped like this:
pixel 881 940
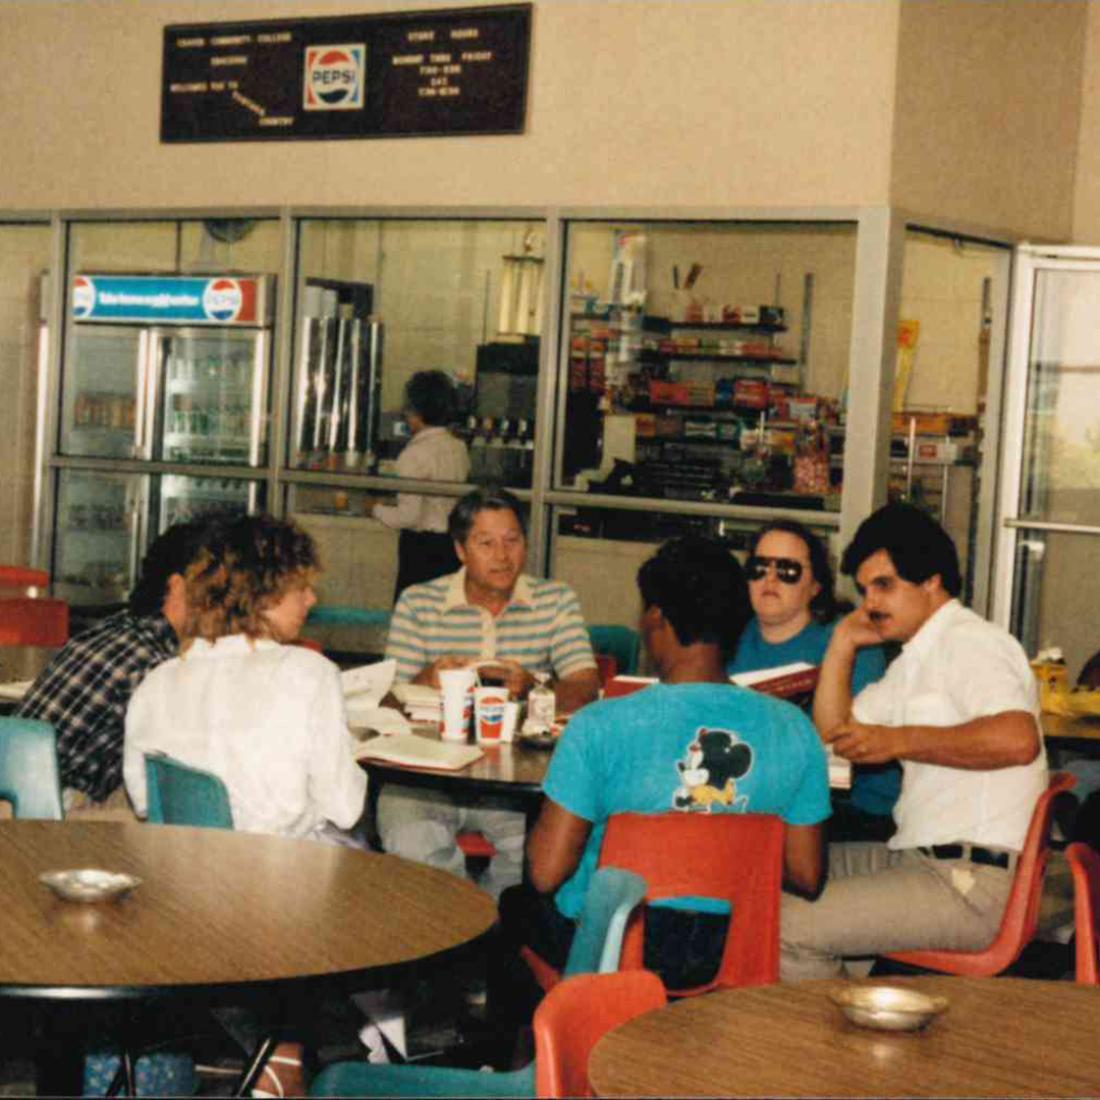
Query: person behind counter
pixel 791 589
pixel 511 625
pixel 425 549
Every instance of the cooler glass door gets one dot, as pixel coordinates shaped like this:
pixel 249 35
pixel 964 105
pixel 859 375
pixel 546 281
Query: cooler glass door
pixel 105 392
pixel 183 499
pixel 98 536
pixel 215 400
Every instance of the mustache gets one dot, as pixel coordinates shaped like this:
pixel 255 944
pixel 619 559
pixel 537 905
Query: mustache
pixel 878 616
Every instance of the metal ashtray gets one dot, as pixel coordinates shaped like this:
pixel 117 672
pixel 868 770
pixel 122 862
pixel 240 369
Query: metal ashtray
pixel 539 740
pixel 89 884
pixel 887 1007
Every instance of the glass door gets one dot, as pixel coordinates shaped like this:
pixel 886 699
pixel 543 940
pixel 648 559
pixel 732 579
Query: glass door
pixel 1047 585
pixel 214 404
pixel 183 499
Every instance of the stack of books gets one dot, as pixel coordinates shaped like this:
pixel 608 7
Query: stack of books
pixel 421 703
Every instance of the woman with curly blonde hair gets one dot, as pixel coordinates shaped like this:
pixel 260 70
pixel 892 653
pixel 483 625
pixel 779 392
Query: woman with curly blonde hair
pixel 265 716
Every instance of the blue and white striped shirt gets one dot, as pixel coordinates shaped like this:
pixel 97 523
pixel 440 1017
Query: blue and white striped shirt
pixel 541 627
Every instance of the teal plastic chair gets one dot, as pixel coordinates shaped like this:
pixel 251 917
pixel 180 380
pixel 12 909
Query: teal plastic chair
pixel 339 615
pixel 181 795
pixel 29 776
pixel 621 642
pixel 597 945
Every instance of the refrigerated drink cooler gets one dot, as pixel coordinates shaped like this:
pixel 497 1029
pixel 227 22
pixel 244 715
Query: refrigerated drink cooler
pixel 155 369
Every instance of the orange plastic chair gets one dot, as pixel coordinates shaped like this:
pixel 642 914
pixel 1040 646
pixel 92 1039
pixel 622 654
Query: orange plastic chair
pixel 25 621
pixel 607 667
pixel 1021 917
pixel 737 858
pixel 475 846
pixel 576 1014
pixel 1084 862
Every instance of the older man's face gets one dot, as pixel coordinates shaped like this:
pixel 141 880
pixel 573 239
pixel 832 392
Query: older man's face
pixel 494 552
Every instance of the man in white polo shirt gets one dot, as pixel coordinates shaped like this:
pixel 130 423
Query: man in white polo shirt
pixel 959 709
pixel 511 624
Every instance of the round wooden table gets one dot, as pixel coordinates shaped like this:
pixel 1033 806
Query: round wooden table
pixel 999 1037
pixel 217 911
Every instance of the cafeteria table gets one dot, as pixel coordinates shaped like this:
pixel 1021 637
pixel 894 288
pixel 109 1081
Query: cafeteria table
pixel 998 1037
pixel 220 917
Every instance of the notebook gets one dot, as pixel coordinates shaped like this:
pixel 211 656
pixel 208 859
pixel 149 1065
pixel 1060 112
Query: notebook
pixel 414 751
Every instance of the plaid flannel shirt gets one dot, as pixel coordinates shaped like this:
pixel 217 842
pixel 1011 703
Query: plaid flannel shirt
pixel 85 690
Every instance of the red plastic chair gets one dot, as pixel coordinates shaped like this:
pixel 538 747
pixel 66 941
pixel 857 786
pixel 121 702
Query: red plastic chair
pixel 607 668
pixel 22 576
pixel 576 1014
pixel 475 846
pixel 1021 917
pixel 736 858
pixel 42 622
pixel 1084 862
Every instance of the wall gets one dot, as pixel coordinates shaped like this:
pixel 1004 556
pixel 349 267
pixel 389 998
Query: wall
pixel 987 111
pixel 1086 195
pixel 630 101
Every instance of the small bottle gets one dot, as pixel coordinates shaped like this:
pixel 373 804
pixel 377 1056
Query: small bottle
pixel 540 705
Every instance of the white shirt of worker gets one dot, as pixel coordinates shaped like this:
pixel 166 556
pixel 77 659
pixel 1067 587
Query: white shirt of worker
pixel 433 454
pixel 900 896
pixel 267 719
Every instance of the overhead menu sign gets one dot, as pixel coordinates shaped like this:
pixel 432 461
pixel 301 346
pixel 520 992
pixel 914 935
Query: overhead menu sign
pixel 431 73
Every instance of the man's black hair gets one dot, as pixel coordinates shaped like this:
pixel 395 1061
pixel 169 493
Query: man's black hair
pixel 823 605
pixel 918 546
pixel 480 500
pixel 431 395
pixel 170 553
pixel 700 588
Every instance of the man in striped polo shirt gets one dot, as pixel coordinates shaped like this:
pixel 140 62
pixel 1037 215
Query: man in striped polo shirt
pixel 510 624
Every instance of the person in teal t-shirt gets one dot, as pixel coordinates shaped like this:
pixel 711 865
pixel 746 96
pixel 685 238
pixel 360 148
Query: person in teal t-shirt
pixel 693 743
pixel 791 589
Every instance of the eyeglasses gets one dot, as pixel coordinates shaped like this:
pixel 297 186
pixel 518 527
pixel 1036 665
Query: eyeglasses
pixel 787 570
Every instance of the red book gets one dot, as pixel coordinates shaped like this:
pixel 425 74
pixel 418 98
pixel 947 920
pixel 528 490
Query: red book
pixel 795 682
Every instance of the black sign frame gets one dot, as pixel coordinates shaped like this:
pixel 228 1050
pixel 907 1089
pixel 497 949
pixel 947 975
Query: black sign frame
pixel 437 73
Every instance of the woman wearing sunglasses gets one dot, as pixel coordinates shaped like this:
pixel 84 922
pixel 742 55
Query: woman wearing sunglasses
pixel 791 589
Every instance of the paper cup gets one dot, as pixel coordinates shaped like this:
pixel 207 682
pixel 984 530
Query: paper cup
pixel 457 688
pixel 490 704
pixel 511 720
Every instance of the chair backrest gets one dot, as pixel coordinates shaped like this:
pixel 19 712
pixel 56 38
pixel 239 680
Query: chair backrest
pixel 621 642
pixel 181 795
pixel 22 576
pixel 734 858
pixel 576 1014
pixel 597 944
pixel 26 621
pixel 1021 917
pixel 1084 862
pixel 29 775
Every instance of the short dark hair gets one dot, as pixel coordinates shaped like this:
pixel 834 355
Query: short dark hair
pixel 700 588
pixel 171 552
pixel 431 395
pixel 918 546
pixel 480 500
pixel 823 605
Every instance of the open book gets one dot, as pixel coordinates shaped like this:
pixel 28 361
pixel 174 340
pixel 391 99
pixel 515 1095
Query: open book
pixel 794 682
pixel 413 751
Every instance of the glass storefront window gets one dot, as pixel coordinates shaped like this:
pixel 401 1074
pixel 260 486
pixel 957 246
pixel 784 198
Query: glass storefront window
pixel 379 301
pixel 1061 451
pixel 168 340
pixel 24 257
pixel 707 361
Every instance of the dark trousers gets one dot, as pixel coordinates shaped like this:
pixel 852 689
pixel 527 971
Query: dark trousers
pixel 423 556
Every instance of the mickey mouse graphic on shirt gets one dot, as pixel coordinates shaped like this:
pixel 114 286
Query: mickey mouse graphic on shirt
pixel 714 761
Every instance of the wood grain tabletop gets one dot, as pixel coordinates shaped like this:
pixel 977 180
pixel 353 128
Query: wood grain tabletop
pixel 998 1037
pixel 216 909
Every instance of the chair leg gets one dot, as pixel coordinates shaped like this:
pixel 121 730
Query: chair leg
pixel 254 1066
pixel 123 1081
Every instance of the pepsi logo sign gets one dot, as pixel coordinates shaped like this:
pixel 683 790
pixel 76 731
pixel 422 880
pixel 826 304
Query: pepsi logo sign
pixel 334 77
pixel 222 299
pixel 83 296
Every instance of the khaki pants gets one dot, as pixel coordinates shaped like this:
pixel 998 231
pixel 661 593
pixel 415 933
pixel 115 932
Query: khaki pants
pixel 878 900
pixel 422 825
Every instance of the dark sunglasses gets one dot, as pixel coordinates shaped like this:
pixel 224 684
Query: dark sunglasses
pixel 787 570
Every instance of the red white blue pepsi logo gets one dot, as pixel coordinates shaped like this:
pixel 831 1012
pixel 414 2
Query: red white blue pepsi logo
pixel 83 296
pixel 222 299
pixel 334 77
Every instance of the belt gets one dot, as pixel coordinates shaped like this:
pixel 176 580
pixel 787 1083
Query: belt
pixel 974 853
